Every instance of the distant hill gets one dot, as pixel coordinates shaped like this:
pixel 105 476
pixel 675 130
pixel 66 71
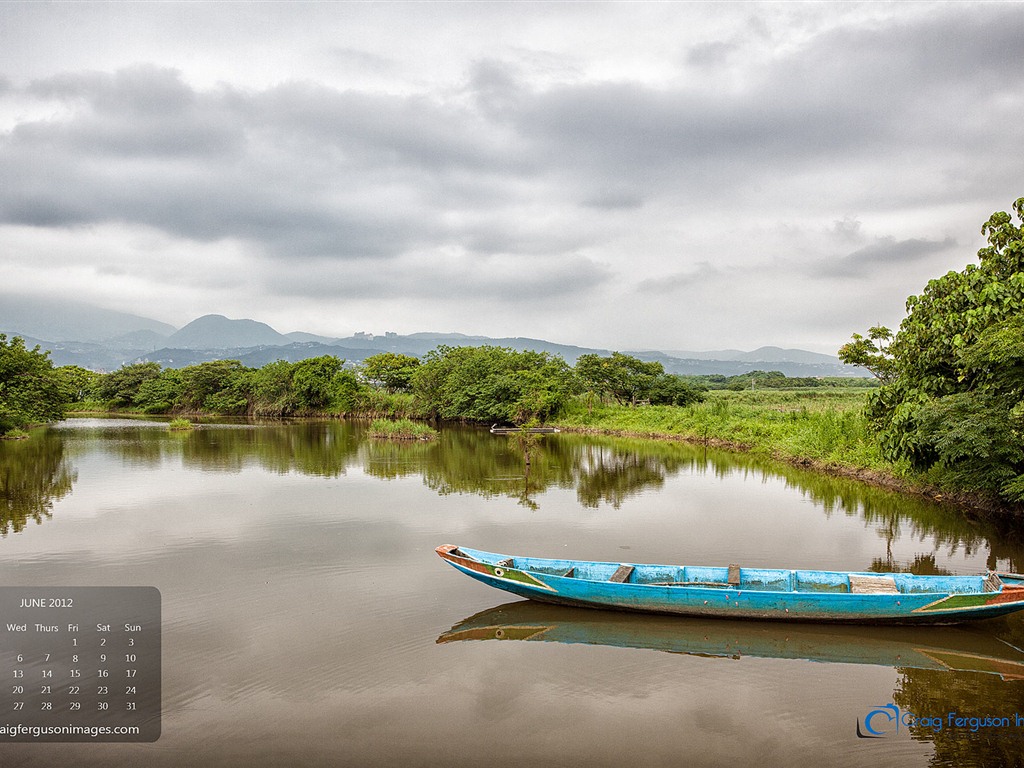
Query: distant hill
pixel 759 355
pixel 219 332
pixel 104 340
pixel 44 318
pixel 701 367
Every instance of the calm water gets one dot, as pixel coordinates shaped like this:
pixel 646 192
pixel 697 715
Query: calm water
pixel 307 621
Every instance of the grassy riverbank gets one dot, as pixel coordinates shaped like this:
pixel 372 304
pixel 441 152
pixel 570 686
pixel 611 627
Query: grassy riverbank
pixel 824 429
pixel 825 426
pixel 821 428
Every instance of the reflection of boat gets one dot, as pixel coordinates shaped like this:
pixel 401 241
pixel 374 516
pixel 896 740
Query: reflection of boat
pixel 748 593
pixel 947 648
pixel 496 430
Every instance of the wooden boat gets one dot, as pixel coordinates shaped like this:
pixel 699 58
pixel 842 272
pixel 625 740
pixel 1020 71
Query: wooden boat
pixel 948 649
pixel 747 593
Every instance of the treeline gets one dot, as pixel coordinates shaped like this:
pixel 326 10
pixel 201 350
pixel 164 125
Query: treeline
pixel 777 380
pixel 480 384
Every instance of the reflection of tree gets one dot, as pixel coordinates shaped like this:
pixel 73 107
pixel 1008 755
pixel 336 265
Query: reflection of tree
pixel 930 693
pixel 391 459
pixel 474 461
pixel 922 565
pixel 321 448
pixel 602 470
pixel 34 473
pixel 613 476
pixel 936 693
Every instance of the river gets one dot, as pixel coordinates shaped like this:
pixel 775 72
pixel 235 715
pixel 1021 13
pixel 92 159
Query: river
pixel 307 621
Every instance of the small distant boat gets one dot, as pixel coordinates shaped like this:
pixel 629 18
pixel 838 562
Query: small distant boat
pixel 496 430
pixel 950 649
pixel 746 593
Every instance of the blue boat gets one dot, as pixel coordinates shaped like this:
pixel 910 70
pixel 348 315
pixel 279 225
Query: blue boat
pixel 746 593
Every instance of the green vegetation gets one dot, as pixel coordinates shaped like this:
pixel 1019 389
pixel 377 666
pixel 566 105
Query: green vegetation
pixel 952 396
pixel 401 429
pixel 755 380
pixel 825 426
pixel 391 371
pixel 492 384
pixel 31 390
pixel 626 379
pixel 311 387
pixel 180 425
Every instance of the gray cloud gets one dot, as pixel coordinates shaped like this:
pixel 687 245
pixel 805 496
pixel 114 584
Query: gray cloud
pixel 885 252
pixel 466 280
pixel 528 175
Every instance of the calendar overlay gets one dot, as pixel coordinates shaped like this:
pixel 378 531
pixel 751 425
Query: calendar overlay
pixel 79 664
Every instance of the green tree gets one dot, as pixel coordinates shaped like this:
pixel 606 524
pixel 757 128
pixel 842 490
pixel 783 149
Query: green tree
pixel 159 394
pixel 624 378
pixel 871 353
pixel 669 389
pixel 31 391
pixel 120 387
pixel 79 383
pixel 391 370
pixel 953 396
pixel 321 384
pixel 271 389
pixel 492 384
pixel 220 386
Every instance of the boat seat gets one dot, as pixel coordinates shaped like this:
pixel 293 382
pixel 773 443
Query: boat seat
pixel 992 583
pixel 734 575
pixel 873 585
pixel 622 574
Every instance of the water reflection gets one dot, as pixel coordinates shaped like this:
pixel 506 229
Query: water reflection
pixel 975 671
pixel 945 649
pixel 603 472
pixel 34 473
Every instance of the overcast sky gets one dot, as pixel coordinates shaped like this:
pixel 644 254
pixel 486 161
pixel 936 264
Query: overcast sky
pixel 680 176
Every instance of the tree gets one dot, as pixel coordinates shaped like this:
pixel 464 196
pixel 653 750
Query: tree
pixel 492 384
pixel 669 389
pixel 220 386
pixel 953 392
pixel 120 387
pixel 871 353
pixel 271 389
pixel 79 383
pixel 159 394
pixel 321 383
pixel 391 370
pixel 31 391
pixel 625 378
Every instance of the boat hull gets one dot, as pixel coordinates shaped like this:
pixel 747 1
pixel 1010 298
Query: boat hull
pixel 538 579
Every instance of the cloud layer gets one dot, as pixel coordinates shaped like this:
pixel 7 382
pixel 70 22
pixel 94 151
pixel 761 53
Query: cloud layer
pixel 779 174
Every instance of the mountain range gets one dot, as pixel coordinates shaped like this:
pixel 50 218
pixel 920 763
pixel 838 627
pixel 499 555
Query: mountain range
pixel 99 339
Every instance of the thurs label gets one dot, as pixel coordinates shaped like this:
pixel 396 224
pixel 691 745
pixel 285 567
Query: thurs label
pixel 79 664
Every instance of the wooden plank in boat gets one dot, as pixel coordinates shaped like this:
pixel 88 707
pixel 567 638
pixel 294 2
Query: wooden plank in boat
pixel 622 573
pixel 734 575
pixel 872 585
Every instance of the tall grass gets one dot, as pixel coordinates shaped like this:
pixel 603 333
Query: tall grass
pixel 401 429
pixel 821 426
